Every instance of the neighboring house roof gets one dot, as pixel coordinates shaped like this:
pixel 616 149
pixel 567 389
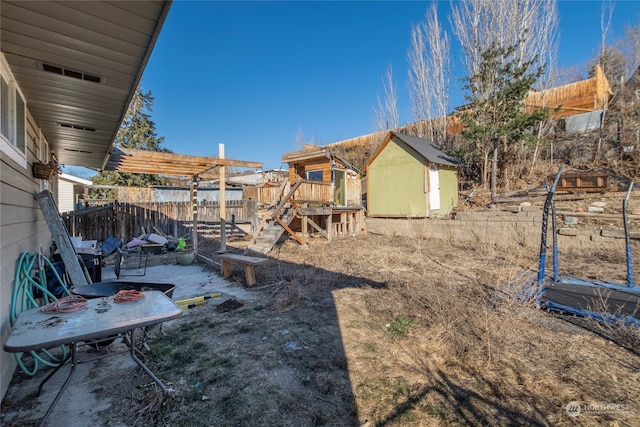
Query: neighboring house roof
pixel 424 147
pixel 74 179
pixel 78 64
pixel 259 177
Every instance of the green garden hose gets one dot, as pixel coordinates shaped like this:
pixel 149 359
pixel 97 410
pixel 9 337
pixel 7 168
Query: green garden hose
pixel 29 285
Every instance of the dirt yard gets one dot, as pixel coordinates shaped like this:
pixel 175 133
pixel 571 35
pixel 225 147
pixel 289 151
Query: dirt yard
pixel 380 331
pixel 386 331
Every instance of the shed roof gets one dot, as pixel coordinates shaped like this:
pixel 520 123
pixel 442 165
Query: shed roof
pixel 74 179
pixel 424 147
pixel 311 153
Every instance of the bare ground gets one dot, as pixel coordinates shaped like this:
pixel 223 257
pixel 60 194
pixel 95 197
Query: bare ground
pixel 387 331
pixel 395 332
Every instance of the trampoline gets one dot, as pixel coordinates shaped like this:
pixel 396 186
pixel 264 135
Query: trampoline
pixel 603 301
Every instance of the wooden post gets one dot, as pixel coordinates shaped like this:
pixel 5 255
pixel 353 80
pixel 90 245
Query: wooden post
pixel 361 227
pixel 305 230
pixel 175 220
pixel 194 213
pixel 223 202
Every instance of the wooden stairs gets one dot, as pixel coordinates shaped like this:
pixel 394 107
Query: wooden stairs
pixel 212 230
pixel 270 231
pixel 274 225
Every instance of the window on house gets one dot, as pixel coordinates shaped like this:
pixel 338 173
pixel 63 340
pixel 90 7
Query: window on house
pixel 20 119
pixel 4 107
pixel 314 175
pixel 12 118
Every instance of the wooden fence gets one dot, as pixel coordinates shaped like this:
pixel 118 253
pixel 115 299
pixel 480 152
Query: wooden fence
pixel 127 220
pixel 586 95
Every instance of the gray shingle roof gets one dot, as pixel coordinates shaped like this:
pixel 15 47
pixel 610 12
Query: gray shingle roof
pixel 427 149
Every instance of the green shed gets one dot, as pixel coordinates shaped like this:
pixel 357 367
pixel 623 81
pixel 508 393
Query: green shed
pixel 409 177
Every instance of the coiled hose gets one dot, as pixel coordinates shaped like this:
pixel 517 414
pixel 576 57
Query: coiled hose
pixel 26 291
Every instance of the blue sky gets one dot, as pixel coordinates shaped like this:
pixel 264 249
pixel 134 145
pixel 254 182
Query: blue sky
pixel 252 75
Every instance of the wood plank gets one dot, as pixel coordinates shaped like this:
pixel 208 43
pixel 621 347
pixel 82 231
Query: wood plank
pixel 596 215
pixel 316 226
pixel 320 210
pixel 290 231
pixel 243 259
pixel 143 157
pixel 249 275
pixel 226 267
pixel 619 234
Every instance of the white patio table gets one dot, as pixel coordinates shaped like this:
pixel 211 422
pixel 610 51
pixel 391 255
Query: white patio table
pixel 34 330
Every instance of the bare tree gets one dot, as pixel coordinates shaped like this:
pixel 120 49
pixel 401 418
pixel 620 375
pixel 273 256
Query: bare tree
pixel 429 74
pixel 632 48
pixel 299 141
pixel 605 30
pixel 549 45
pixel 439 62
pixel 419 76
pixel 386 114
pixel 529 25
pixel 605 25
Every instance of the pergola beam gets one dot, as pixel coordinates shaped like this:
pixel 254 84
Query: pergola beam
pixel 162 163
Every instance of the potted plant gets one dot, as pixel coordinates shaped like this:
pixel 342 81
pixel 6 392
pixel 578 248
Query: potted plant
pixel 45 170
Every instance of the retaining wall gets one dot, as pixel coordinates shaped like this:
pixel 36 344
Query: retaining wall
pixel 504 228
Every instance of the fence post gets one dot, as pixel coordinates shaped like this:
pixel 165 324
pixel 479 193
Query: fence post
pixel 175 220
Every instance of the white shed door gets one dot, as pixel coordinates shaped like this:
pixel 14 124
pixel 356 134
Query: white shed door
pixel 434 188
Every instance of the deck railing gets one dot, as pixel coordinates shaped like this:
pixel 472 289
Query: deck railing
pixel 307 191
pixel 314 191
pixel 270 194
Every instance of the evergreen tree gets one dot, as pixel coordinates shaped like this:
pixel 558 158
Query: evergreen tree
pixel 496 113
pixel 137 131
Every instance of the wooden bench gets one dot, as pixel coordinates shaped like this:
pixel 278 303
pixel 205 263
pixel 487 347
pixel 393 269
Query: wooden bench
pixel 249 262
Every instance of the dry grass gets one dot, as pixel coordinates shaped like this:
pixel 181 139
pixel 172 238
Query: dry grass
pixel 393 331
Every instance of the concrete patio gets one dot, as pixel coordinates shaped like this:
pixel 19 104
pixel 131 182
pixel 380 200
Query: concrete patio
pixel 85 396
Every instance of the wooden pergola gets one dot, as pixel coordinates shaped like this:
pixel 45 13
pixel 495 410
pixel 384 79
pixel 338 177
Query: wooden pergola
pixel 162 163
pixel 196 167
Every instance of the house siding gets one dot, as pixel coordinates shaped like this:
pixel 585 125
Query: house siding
pixel 300 165
pixel 354 190
pixel 22 229
pixel 396 183
pixel 66 196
